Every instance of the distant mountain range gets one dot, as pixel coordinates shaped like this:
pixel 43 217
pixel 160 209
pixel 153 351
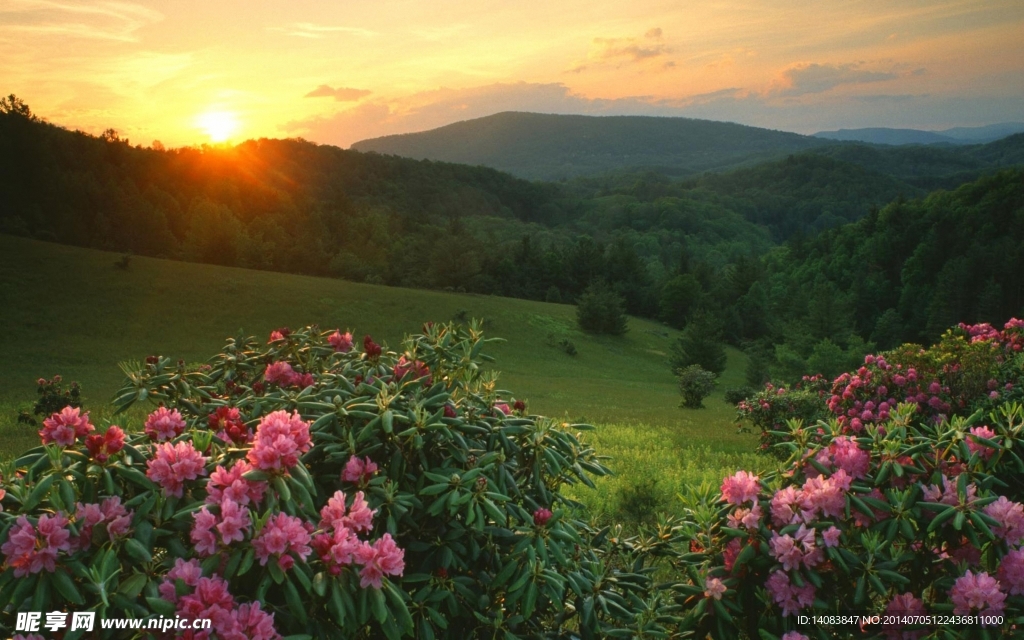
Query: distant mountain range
pixel 559 147
pixel 958 135
pixel 555 147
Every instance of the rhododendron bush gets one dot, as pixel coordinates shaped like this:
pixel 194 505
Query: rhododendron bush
pixel 909 499
pixel 305 486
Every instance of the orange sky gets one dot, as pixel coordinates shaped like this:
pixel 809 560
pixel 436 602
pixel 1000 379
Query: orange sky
pixel 182 71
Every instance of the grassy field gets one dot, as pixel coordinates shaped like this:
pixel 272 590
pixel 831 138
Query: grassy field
pixel 71 311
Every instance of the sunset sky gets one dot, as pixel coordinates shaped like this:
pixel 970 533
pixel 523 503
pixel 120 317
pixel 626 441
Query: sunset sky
pixel 188 72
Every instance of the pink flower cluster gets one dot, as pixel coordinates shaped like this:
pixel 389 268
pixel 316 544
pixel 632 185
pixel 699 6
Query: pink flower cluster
pixel 415 368
pixel 284 537
pixel 210 599
pixel 342 342
pixel 904 605
pixel 788 596
pixel 983 450
pixel 359 469
pixel 743 518
pixel 110 513
pixel 818 496
pixel 1011 338
pixel 791 552
pixel 948 493
pixel 101 447
pixel 977 593
pixel 844 453
pixel 714 588
pixel 338 545
pixel 230 485
pixel 173 464
pixel 65 427
pixel 280 439
pixel 282 374
pixel 31 549
pixel 1010 516
pixel 163 425
pixel 231 524
pixel 1011 572
pixel 740 487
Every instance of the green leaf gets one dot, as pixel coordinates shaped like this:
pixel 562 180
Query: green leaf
pixel 165 608
pixel 66 586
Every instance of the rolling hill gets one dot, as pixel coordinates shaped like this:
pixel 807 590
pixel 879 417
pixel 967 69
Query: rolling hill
pixel 70 311
pixel 956 135
pixel 554 147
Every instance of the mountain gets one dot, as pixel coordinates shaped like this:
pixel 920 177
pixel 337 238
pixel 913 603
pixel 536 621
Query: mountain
pixel 957 135
pixel 554 147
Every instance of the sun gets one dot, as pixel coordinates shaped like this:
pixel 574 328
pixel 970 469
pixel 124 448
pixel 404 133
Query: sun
pixel 219 125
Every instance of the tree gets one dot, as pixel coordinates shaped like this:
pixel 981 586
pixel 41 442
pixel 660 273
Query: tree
pixel 700 344
pixel 14 104
pixel 695 384
pixel 601 310
pixel 679 297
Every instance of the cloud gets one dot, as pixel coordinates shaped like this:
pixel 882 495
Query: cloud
pixel 341 94
pixel 817 78
pixel 318 31
pixel 117 21
pixel 625 49
pixel 653 34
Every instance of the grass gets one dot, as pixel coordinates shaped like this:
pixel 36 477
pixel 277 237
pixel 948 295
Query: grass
pixel 70 311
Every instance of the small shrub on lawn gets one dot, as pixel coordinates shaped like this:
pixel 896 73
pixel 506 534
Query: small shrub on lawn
pixel 736 395
pixel 695 384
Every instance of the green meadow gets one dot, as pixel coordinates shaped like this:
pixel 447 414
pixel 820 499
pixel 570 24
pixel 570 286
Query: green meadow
pixel 71 311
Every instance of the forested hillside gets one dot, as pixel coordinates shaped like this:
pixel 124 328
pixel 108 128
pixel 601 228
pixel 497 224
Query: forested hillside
pixel 555 147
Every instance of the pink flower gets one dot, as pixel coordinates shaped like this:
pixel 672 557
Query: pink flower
pixel 336 549
pixel 359 470
pixel 790 598
pixel 541 516
pixel 740 487
pixel 730 553
pixel 382 558
pixel 848 456
pixel 1011 572
pixel 164 425
pixel 65 427
pixel 254 623
pixel 342 342
pixel 714 588
pixel 984 451
pixel 281 535
pixel 110 511
pixel 232 524
pixel 502 407
pixel 280 440
pixel 360 516
pixel 415 367
pixel 745 518
pixel 173 464
pixel 794 635
pixel 31 549
pixel 831 537
pixel 202 535
pixel 281 374
pixel 188 572
pixel 1010 516
pixel 226 484
pixel 903 605
pixel 785 550
pixel 977 594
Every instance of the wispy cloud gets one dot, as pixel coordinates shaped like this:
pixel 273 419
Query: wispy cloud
pixel 341 94
pixel 118 21
pixel 317 31
pixel 625 49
